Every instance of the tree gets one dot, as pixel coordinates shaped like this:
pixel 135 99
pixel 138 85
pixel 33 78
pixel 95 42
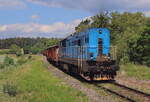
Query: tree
pixel 20 52
pixel 125 29
pixel 101 20
pixel 126 24
pixel 14 48
pixel 83 25
pixel 26 44
pixel 140 49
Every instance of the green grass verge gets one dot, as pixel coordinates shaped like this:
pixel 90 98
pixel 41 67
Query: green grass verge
pixel 137 71
pixel 2 57
pixel 4 51
pixel 35 83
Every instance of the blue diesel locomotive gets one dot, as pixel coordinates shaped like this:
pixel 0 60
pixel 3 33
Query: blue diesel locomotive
pixel 88 54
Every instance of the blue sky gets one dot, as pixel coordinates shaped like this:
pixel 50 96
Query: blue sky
pixel 46 15
pixel 56 18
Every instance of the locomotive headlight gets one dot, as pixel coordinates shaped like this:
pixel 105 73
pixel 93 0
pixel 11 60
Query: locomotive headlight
pixel 100 31
pixel 109 56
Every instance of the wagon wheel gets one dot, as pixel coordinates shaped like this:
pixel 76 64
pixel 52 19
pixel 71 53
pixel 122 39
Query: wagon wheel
pixel 91 76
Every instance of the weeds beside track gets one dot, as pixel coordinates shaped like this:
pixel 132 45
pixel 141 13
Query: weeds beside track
pixel 125 92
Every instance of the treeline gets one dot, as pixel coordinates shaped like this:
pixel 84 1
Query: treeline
pixel 28 45
pixel 130 33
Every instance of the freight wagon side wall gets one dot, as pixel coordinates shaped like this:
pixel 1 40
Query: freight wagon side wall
pixel 53 53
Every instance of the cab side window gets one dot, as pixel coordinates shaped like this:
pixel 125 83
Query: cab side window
pixel 86 40
pixel 79 42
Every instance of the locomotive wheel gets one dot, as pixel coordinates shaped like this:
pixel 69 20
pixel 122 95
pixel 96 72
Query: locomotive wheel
pixel 91 76
pixel 56 64
pixel 70 69
pixel 66 67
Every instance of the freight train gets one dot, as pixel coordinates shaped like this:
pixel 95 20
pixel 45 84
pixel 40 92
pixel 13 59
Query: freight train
pixel 86 53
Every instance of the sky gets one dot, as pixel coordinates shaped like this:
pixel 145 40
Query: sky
pixel 56 18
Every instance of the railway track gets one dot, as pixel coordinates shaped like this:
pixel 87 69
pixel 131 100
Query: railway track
pixel 126 93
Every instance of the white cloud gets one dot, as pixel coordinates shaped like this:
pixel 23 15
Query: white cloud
pixel 59 28
pixel 93 6
pixel 147 13
pixel 35 17
pixel 12 4
pixel 3 28
pixel 98 5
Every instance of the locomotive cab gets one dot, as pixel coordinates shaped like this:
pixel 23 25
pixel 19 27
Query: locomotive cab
pixel 101 65
pixel 99 43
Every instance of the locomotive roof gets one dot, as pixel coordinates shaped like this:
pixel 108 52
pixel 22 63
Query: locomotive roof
pixel 52 46
pixel 73 35
pixel 78 34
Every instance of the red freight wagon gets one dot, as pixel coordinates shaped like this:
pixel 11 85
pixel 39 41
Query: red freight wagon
pixel 45 52
pixel 52 53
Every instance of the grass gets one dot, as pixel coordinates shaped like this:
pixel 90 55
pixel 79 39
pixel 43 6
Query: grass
pixel 2 57
pixel 136 71
pixel 36 84
pixel 4 51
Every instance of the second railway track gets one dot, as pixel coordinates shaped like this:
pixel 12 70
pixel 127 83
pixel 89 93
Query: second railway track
pixel 125 92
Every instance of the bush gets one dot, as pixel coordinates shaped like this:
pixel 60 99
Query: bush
pixel 10 89
pixel 20 52
pixel 8 61
pixel 5 51
pixel 140 49
pixel 35 50
pixel 2 66
pixel 14 48
pixel 21 61
pixel 30 56
pixel 124 60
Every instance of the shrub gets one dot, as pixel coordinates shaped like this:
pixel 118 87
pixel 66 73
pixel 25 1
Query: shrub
pixel 20 52
pixel 5 51
pixel 30 56
pixel 8 61
pixel 124 60
pixel 35 50
pixel 2 66
pixel 140 49
pixel 10 89
pixel 14 48
pixel 21 61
